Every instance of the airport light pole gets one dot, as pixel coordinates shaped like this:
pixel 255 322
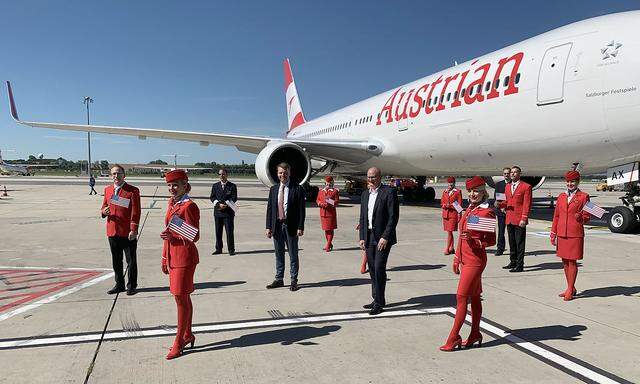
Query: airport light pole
pixel 88 100
pixel 175 159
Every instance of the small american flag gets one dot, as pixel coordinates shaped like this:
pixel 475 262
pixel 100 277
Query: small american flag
pixel 481 224
pixel 594 210
pixel 183 229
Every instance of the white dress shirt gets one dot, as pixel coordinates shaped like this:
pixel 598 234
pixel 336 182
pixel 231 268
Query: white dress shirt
pixel 373 195
pixel 514 186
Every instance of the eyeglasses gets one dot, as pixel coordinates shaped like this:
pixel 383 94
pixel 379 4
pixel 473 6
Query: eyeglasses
pixel 372 177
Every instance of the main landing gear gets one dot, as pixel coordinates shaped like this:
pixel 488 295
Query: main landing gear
pixel 626 218
pixel 415 190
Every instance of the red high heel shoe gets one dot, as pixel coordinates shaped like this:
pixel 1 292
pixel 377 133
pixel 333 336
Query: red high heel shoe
pixel 452 346
pixel 175 352
pixel 190 341
pixel 562 294
pixel 472 339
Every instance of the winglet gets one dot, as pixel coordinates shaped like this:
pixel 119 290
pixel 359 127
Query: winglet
pixel 14 111
pixel 294 108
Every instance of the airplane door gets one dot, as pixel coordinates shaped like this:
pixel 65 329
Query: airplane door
pixel 551 77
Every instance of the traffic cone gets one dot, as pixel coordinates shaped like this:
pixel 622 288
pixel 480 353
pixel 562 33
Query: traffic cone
pixel 5 194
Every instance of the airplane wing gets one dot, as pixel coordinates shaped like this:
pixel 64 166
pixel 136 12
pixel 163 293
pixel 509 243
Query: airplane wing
pixel 163 167
pixel 350 151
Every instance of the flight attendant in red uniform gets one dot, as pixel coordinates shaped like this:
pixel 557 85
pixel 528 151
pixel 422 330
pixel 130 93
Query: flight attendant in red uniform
pixel 327 200
pixel 567 232
pixel 450 216
pixel 180 257
pixel 469 262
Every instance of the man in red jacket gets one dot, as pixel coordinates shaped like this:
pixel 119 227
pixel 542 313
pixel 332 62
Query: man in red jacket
pixel 121 207
pixel 517 206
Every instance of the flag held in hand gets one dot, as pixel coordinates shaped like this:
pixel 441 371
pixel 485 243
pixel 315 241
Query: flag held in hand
pixel 481 224
pixel 593 209
pixel 179 226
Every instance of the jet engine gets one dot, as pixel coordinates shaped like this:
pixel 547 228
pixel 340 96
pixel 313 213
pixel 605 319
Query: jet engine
pixel 277 152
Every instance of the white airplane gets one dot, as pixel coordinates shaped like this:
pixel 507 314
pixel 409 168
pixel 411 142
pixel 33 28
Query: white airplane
pixel 20 169
pixel 568 96
pixel 11 169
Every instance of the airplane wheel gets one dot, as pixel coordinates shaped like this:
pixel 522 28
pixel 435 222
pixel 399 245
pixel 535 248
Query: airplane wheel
pixel 622 220
pixel 429 194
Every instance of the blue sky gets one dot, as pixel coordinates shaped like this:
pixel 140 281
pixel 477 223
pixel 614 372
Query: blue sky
pixel 216 66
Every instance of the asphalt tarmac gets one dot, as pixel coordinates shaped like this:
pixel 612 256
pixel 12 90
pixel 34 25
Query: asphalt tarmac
pixel 58 325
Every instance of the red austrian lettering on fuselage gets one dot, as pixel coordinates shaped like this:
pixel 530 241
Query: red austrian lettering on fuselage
pixel 404 104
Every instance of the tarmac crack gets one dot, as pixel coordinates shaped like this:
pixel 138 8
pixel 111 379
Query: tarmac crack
pixel 115 300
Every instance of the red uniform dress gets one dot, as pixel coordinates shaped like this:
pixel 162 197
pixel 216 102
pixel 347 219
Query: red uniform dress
pixel 450 216
pixel 569 231
pixel 180 254
pixel 471 254
pixel 121 219
pixel 328 216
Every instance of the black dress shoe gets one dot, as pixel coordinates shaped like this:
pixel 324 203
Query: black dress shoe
pixel 369 306
pixel 131 291
pixel 216 252
pixel 517 269
pixel 499 252
pixel 509 266
pixel 376 310
pixel 115 290
pixel 294 286
pixel 231 253
pixel 276 284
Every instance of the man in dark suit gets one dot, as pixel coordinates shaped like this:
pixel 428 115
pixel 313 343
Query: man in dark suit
pixel 379 213
pixel 285 223
pixel 499 196
pixel 223 193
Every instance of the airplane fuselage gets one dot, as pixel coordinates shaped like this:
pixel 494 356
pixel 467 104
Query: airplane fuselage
pixel 570 95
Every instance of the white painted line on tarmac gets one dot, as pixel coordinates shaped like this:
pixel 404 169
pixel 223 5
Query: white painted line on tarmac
pixel 119 335
pixel 546 354
pixel 568 364
pixel 55 297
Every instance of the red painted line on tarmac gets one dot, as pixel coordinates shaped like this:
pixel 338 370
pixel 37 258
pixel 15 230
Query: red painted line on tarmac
pixel 13 289
pixel 12 296
pixel 11 281
pixel 85 275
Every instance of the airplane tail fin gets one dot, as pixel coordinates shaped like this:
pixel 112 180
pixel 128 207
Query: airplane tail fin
pixel 294 108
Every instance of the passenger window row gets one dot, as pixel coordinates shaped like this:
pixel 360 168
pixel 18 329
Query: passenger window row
pixel 336 127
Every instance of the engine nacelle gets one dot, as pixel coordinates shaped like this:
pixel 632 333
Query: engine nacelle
pixel 278 152
pixel 535 181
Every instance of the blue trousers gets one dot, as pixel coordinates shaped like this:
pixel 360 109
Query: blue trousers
pixel 280 238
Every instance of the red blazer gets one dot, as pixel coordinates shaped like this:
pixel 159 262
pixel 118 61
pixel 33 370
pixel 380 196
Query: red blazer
pixel 471 251
pixel 179 252
pixel 565 223
pixel 323 195
pixel 122 220
pixel 518 204
pixel 446 201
